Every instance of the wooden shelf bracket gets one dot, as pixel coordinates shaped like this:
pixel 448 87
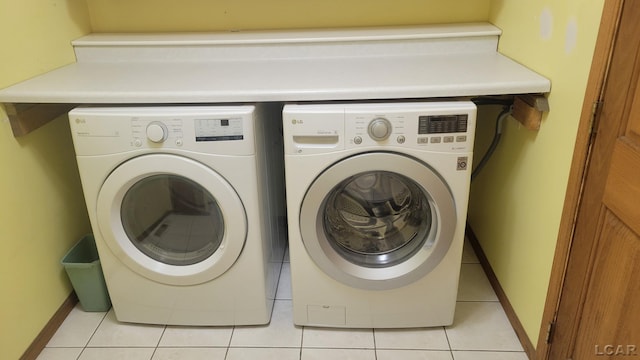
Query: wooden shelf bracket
pixel 528 109
pixel 26 117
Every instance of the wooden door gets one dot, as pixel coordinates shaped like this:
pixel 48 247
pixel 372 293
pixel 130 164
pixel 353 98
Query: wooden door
pixel 598 312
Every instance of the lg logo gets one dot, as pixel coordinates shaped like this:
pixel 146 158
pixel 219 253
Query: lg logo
pixel 80 121
pixel 296 121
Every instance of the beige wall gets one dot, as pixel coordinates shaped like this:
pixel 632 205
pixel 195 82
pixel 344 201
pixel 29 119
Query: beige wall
pixel 203 15
pixel 516 202
pixel 42 212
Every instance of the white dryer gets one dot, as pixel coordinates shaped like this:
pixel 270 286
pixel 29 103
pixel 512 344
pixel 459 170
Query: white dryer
pixel 184 202
pixel 377 200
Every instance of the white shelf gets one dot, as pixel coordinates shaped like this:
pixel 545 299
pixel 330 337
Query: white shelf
pixel 315 65
pixel 281 80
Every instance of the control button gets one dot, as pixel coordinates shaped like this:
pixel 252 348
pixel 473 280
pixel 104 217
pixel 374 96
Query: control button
pixel 461 138
pixel 436 140
pixel 137 142
pixel 423 140
pixel 179 141
pixel 357 140
pixel 447 139
pixel 400 139
pixel 380 129
pixel 157 132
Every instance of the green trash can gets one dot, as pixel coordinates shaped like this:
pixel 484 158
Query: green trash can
pixel 83 267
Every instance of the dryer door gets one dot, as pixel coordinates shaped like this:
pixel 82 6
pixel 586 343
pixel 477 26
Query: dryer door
pixel 378 220
pixel 171 219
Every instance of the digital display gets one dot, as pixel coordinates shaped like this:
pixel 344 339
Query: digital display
pixel 442 124
pixel 218 129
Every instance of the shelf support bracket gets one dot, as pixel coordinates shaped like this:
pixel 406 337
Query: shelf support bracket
pixel 528 109
pixel 27 117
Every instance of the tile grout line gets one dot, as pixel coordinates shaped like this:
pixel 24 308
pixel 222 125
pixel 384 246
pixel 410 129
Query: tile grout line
pixel 375 345
pixel 304 328
pixel 93 333
pixel 164 330
pixel 446 335
pixel 233 330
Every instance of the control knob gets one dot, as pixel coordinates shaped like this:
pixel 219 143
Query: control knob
pixel 157 132
pixel 379 129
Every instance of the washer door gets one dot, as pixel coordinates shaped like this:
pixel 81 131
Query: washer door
pixel 378 220
pixel 171 219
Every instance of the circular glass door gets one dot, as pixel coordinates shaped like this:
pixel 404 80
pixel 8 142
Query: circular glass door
pixel 171 219
pixel 378 220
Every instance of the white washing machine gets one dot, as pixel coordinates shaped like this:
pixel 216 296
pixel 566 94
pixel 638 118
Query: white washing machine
pixel 185 203
pixel 377 201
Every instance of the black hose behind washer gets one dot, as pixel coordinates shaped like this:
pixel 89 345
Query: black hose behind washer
pixel 506 111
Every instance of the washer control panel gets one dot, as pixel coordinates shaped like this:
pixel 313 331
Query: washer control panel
pixel 439 126
pixel 447 126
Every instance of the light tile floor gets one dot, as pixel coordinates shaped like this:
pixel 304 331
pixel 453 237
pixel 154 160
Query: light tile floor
pixel 481 331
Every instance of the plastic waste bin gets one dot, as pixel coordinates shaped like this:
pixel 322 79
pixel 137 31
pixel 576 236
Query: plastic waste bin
pixel 83 267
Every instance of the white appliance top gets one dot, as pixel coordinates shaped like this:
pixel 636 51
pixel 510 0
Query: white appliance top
pixel 252 66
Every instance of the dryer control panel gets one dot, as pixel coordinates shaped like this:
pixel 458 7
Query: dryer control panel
pixel 223 130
